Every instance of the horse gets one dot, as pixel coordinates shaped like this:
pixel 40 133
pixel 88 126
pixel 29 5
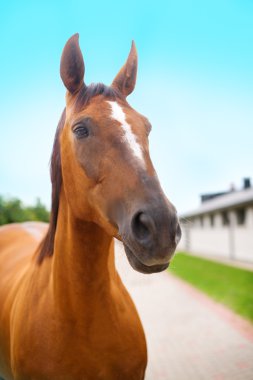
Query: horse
pixel 64 311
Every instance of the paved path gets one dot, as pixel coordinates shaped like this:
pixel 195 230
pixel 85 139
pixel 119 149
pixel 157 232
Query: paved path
pixel 189 336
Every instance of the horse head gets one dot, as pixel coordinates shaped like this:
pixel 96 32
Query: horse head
pixel 107 172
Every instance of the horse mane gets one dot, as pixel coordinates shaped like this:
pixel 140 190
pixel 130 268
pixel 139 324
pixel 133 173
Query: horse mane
pixel 46 248
pixel 47 244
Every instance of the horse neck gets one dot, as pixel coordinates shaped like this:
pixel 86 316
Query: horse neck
pixel 83 261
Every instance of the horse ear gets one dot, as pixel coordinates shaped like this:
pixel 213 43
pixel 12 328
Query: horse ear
pixel 72 65
pixel 126 78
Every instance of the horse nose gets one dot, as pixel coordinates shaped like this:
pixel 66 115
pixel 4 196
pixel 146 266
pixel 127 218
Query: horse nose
pixel 178 234
pixel 146 229
pixel 143 228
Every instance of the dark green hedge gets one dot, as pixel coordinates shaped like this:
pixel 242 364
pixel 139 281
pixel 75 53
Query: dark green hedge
pixel 12 210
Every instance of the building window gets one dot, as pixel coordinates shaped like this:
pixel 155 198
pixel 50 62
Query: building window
pixel 212 220
pixel 241 216
pixel 225 218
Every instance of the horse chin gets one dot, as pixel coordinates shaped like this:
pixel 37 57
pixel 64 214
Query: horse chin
pixel 137 265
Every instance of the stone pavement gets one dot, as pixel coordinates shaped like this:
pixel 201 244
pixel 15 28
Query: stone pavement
pixel 189 336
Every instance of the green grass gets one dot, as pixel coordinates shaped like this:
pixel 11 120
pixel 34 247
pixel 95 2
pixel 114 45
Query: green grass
pixel 226 284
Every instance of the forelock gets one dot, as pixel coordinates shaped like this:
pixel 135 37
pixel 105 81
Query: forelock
pixel 87 93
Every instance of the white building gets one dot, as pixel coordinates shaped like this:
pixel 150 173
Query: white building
pixel 221 226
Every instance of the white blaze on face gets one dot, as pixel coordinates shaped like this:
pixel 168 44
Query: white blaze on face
pixel 129 137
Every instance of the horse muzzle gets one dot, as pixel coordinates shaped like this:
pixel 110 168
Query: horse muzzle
pixel 151 237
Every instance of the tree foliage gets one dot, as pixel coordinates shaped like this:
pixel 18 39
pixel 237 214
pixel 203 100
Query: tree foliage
pixel 12 210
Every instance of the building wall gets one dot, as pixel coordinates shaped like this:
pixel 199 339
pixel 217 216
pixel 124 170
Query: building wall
pixel 210 241
pixel 244 238
pixel 208 235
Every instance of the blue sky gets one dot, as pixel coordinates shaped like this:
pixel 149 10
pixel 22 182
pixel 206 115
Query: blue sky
pixel 195 84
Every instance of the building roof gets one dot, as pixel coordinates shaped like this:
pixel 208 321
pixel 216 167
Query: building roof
pixel 223 202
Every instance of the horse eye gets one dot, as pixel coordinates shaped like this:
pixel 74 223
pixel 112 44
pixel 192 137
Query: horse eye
pixel 81 131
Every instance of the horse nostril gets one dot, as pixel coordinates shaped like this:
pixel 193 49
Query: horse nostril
pixel 142 226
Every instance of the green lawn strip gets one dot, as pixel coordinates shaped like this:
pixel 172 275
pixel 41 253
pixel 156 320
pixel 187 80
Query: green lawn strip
pixel 226 284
